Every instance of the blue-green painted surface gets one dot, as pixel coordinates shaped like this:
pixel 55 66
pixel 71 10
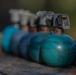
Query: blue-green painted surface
pixel 6 37
pixel 16 40
pixel 35 46
pixel 58 50
pixel 24 45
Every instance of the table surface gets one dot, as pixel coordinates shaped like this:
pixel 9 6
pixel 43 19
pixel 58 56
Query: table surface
pixel 12 65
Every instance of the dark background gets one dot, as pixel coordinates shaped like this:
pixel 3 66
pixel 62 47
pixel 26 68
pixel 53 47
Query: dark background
pixel 58 6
